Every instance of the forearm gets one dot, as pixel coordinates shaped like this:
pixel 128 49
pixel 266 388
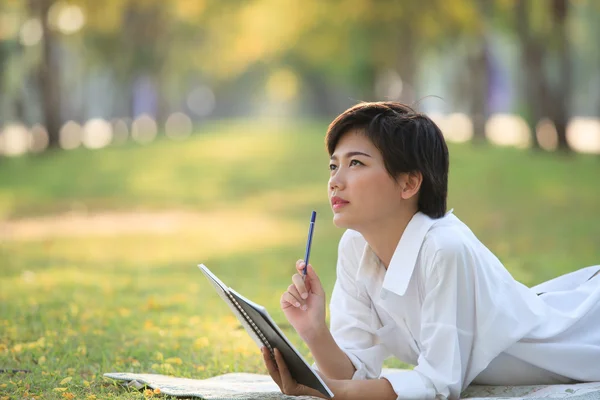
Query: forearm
pixel 379 389
pixel 330 359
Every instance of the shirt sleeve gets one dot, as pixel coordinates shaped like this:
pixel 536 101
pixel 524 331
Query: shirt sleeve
pixel 353 322
pixel 448 323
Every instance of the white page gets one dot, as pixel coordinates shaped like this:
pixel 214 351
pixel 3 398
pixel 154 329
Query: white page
pixel 222 290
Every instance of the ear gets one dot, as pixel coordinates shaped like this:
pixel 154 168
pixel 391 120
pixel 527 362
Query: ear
pixel 411 183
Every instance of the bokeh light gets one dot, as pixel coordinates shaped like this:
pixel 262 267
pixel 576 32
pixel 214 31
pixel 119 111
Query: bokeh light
pixel 144 129
pixel 178 126
pixel 546 135
pixel 583 135
pixel 70 135
pixel 38 139
pixel 389 85
pixel 31 32
pixel 456 127
pixel 508 130
pixel 97 133
pixel 201 101
pixel 15 139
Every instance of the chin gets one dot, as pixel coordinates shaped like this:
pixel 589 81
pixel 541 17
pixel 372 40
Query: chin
pixel 341 221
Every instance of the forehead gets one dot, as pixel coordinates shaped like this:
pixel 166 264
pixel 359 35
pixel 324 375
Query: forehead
pixel 355 140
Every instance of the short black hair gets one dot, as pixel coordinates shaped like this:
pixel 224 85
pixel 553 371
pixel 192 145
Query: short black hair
pixel 409 141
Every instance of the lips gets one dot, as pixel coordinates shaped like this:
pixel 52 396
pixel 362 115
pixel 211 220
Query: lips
pixel 338 202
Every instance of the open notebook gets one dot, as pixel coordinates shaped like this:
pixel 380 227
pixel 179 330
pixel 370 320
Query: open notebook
pixel 263 330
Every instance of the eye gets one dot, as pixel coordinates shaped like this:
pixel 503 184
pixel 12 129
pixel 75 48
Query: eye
pixel 355 162
pixel 332 167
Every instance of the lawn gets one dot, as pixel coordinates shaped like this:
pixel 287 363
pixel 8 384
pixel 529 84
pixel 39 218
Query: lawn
pixel 99 248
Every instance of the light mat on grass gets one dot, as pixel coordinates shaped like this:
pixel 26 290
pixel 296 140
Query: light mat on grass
pixel 257 386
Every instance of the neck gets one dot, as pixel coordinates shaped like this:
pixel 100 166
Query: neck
pixel 383 236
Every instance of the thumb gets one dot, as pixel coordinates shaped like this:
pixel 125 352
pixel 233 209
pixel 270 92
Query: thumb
pixel 315 282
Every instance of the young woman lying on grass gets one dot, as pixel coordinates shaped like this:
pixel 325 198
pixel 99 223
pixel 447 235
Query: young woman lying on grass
pixel 413 281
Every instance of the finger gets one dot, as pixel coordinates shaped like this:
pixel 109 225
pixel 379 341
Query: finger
pixel 287 381
pixel 300 266
pixel 271 366
pixel 288 300
pixel 314 283
pixel 300 286
pixel 294 292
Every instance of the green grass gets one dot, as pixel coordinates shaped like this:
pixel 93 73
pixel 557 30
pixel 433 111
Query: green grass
pixel 79 305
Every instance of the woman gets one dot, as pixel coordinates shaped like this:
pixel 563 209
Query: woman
pixel 413 281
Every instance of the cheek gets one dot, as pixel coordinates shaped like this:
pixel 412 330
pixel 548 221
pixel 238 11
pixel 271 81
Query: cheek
pixel 380 191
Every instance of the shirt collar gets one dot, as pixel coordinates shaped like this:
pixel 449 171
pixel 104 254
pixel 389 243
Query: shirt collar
pixel 405 256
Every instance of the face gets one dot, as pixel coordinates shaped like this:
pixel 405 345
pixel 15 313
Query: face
pixel 361 192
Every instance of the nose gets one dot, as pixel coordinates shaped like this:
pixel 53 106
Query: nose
pixel 336 182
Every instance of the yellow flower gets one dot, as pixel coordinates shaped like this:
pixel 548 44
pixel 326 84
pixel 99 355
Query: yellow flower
pixel 148 393
pixel 174 360
pixel 124 312
pixel 68 395
pixel 157 391
pixel 201 342
pixel 66 380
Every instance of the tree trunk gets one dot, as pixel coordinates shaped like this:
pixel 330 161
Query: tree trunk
pixel 478 64
pixel 49 74
pixel 478 67
pixel 320 94
pixel 407 65
pixel 562 93
pixel 532 59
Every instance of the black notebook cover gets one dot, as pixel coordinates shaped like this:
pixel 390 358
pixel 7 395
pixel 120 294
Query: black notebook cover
pixel 259 324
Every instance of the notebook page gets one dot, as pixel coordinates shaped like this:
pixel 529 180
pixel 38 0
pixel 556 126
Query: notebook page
pixel 223 292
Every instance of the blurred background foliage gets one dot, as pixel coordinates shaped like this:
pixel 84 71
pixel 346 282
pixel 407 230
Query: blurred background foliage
pixel 482 67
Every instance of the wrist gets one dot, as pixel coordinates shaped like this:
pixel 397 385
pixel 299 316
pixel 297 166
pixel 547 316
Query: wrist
pixel 315 335
pixel 338 387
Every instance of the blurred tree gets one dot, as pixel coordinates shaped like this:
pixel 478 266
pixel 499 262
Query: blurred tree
pixel 15 67
pixel 561 96
pixel 543 35
pixel 535 92
pixel 340 51
pixel 163 42
pixel 478 62
pixel 48 72
pixel 126 37
pixel 469 29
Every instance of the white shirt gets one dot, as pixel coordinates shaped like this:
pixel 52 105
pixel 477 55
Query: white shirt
pixel 448 306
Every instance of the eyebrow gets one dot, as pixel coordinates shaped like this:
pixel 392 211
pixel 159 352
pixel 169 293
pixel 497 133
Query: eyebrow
pixel 350 154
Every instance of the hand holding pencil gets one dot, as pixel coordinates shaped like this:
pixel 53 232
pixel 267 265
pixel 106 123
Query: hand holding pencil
pixel 304 301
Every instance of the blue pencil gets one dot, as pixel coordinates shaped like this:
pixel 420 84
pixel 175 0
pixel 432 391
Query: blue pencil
pixel 311 228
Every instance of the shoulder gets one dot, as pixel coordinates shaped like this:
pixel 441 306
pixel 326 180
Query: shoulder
pixel 448 243
pixel 352 245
